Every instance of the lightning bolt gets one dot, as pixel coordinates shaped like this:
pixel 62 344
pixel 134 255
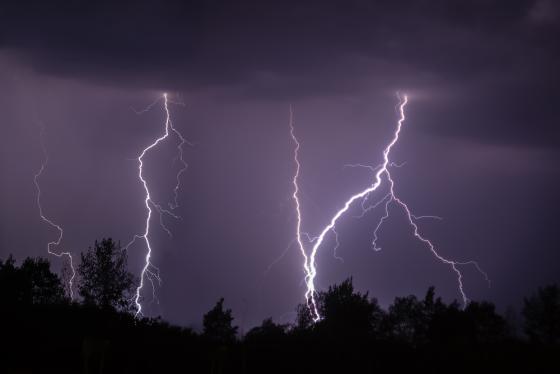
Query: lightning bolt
pixel 52 245
pixel 149 271
pixel 381 171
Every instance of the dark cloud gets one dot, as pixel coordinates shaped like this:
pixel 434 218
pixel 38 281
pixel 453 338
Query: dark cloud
pixel 496 54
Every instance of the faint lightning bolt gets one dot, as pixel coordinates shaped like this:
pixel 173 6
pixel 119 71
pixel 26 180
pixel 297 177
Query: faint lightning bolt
pixel 53 244
pixel 310 293
pixel 309 265
pixel 150 272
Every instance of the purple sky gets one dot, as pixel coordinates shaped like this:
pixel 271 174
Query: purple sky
pixel 480 143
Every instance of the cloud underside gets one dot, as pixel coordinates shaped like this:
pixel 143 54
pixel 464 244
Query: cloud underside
pixel 492 62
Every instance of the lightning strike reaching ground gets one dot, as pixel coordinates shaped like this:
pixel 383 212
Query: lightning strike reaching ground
pixel 380 171
pixel 150 272
pixel 53 244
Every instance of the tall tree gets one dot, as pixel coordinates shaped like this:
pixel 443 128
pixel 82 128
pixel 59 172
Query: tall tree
pixel 218 324
pixel 104 278
pixel 542 315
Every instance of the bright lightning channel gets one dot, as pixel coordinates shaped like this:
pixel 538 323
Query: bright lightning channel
pixel 52 245
pixel 149 271
pixel 381 170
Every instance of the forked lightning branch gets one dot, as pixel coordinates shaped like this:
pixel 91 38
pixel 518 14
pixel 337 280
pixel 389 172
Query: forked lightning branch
pixel 309 248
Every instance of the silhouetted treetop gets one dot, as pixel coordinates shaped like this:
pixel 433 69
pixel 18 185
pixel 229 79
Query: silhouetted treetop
pixel 268 331
pixel 542 315
pixel 344 312
pixel 104 278
pixel 407 319
pixel 217 324
pixel 354 334
pixel 31 283
pixel 486 325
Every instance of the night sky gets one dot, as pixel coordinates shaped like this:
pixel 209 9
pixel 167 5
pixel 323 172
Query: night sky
pixel 480 141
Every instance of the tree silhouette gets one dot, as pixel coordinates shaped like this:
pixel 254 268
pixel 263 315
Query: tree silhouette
pixel 346 312
pixel 43 286
pixel 217 324
pixel 10 282
pixel 268 331
pixel 406 319
pixel 542 315
pixel 486 326
pixel 31 283
pixel 410 319
pixel 354 335
pixel 104 279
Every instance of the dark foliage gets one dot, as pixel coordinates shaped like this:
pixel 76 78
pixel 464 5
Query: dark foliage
pixel 31 283
pixel 218 326
pixel 542 315
pixel 267 332
pixel 348 314
pixel 355 335
pixel 104 278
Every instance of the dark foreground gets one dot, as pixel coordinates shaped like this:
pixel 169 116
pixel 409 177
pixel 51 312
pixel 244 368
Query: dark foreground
pixel 43 332
pixel 75 338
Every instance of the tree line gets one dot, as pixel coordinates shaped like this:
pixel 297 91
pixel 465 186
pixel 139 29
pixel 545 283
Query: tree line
pixel 44 331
